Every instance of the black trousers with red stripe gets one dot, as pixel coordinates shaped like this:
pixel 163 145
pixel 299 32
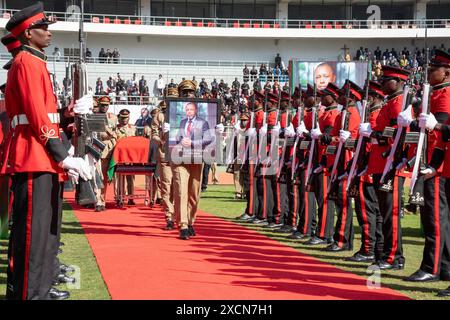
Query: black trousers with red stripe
pixel 249 180
pixel 369 219
pixel 307 222
pixel 325 207
pixel 261 190
pixel 343 231
pixel 434 216
pixel 275 198
pixel 390 204
pixel 34 234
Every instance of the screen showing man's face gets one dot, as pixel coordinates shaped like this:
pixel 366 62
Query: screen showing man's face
pixel 191 110
pixel 323 75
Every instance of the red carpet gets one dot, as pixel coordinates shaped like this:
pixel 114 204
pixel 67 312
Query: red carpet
pixel 139 260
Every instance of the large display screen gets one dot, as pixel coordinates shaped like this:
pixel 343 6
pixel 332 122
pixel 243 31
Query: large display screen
pixel 323 72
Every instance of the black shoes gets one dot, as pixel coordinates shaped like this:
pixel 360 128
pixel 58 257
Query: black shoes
pixel 56 294
pixel 445 275
pixel 61 244
pixel 422 276
pixel 99 208
pixel 169 225
pixel 244 217
pixel 62 278
pixel 191 231
pixel 334 248
pixel 315 241
pixel 273 225
pixel 184 234
pixel 60 251
pixel 444 293
pixel 360 257
pixel 131 202
pixel 260 222
pixel 66 269
pixel 384 265
pixel 297 235
pixel 285 229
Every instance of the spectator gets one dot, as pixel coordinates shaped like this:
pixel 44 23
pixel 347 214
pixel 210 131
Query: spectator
pixel 403 62
pixel 359 53
pixel 214 88
pixel 115 56
pixel 144 119
pixel 111 83
pixel 142 84
pixel 405 52
pixel 160 85
pixel 99 87
pixel 253 73
pixel 278 61
pixel 286 87
pixel 235 85
pixel 385 55
pixel 57 54
pixel 377 69
pixel 394 53
pixel 102 55
pixel 172 84
pixel 245 88
pixel 275 87
pixel 257 85
pixel 348 57
pixel 245 72
pixel 267 86
pixel 377 54
pixel 108 56
pixel 88 55
pixel 262 72
pixel 203 86
pixel 194 81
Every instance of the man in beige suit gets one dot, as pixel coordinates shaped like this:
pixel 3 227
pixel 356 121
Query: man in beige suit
pixel 160 136
pixel 109 138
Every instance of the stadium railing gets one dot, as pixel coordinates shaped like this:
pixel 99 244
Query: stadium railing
pixel 154 62
pixel 242 23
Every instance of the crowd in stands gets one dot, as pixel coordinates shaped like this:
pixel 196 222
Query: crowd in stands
pixel 107 56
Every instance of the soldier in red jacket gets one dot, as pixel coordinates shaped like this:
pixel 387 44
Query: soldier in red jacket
pixel 434 214
pixel 366 203
pixel 393 81
pixel 325 208
pixel 36 158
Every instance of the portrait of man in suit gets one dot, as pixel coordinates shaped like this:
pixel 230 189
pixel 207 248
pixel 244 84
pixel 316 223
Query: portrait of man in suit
pixel 194 131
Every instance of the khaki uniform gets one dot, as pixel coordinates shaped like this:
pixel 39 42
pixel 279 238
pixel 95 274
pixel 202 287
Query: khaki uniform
pixel 165 171
pixel 109 139
pixel 121 131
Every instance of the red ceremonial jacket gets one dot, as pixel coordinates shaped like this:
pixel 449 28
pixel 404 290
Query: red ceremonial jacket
pixel 387 117
pixel 35 144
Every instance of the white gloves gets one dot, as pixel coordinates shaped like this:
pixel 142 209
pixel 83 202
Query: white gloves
pixel 221 128
pixel 289 132
pixel 428 172
pixel 276 128
pixel 84 105
pixel 71 150
pixel 365 130
pixel 427 121
pixel 78 165
pixel 316 133
pixel 263 130
pixel 343 135
pixel 251 132
pixel 319 169
pixel 73 176
pixel 166 127
pixel 405 118
pixel 301 129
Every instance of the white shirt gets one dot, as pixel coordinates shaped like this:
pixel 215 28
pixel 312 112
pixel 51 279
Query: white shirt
pixel 160 83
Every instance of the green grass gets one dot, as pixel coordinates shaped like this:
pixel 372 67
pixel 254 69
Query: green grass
pixel 219 201
pixel 77 253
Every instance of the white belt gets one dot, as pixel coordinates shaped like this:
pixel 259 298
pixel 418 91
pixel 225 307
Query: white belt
pixel 22 119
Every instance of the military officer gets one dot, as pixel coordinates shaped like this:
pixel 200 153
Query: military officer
pixel 109 138
pixel 125 129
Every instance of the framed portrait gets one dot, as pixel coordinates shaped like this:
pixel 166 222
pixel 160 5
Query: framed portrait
pixel 192 135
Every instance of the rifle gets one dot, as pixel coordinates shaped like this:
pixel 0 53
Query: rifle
pixel 285 142
pixel 416 196
pixel 312 147
pixel 360 147
pixel 395 154
pixel 261 138
pixel 250 139
pixel 231 155
pixel 300 112
pixel 83 143
pixel 274 142
pixel 340 155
